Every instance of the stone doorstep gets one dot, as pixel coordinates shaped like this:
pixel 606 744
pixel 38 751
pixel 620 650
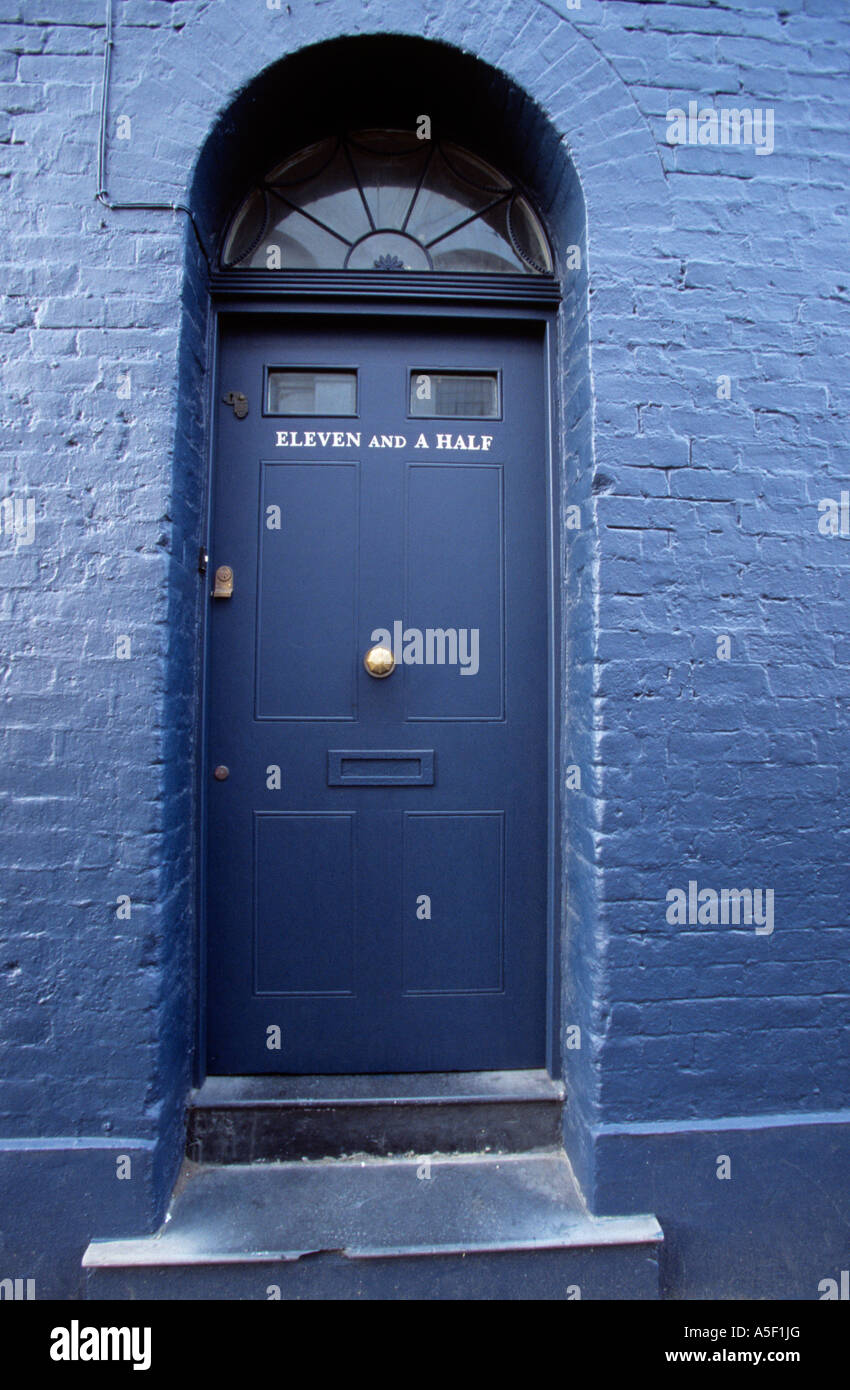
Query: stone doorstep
pixel 338 1187
pixel 243 1216
pixel 276 1118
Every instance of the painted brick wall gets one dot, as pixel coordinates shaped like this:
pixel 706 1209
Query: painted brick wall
pixel 90 305
pixel 726 771
pixel 699 513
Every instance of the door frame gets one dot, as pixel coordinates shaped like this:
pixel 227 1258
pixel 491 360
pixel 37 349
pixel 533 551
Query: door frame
pixel 230 300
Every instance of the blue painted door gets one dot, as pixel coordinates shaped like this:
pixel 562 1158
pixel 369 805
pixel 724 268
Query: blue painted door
pixel 376 863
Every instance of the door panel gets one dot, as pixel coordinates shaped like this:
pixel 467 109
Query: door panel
pixel 454 533
pixel 305 908
pixel 457 862
pixel 376 858
pixel 301 593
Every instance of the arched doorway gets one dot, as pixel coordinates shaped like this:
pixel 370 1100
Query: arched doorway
pixel 382 854
pixel 377 687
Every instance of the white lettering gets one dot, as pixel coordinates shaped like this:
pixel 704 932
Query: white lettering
pixel 335 439
pixel 77 1343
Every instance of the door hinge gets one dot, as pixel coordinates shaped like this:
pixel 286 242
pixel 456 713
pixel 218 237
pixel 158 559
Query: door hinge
pixel 239 401
pixel 203 560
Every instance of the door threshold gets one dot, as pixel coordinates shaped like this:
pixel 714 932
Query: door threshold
pixel 433 1087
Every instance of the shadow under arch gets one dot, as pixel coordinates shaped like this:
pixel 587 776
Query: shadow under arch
pixel 374 81
pixel 391 80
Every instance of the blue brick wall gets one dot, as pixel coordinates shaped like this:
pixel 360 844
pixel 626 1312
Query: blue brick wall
pixel 727 771
pixel 699 520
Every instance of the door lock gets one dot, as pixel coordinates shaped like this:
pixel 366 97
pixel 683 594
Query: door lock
pixel 239 401
pixel 223 582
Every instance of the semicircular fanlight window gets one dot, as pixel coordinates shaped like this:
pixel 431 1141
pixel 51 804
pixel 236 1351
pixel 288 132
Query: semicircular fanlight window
pixel 384 200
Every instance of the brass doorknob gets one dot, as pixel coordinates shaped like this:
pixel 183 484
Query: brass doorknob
pixel 379 662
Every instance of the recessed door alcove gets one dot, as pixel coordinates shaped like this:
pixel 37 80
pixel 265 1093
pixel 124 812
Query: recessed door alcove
pixel 515 250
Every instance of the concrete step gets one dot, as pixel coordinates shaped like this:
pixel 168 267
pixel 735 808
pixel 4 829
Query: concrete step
pixel 507 1226
pixel 249 1119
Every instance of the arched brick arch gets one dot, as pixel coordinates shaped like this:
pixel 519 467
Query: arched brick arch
pixel 215 58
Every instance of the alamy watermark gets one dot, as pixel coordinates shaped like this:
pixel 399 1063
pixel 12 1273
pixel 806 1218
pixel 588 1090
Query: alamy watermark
pixel 17 1288
pixel 84 1343
pixel 723 125
pixel 834 519
pixel 433 646
pixel 832 1289
pixel 17 519
pixel 706 907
